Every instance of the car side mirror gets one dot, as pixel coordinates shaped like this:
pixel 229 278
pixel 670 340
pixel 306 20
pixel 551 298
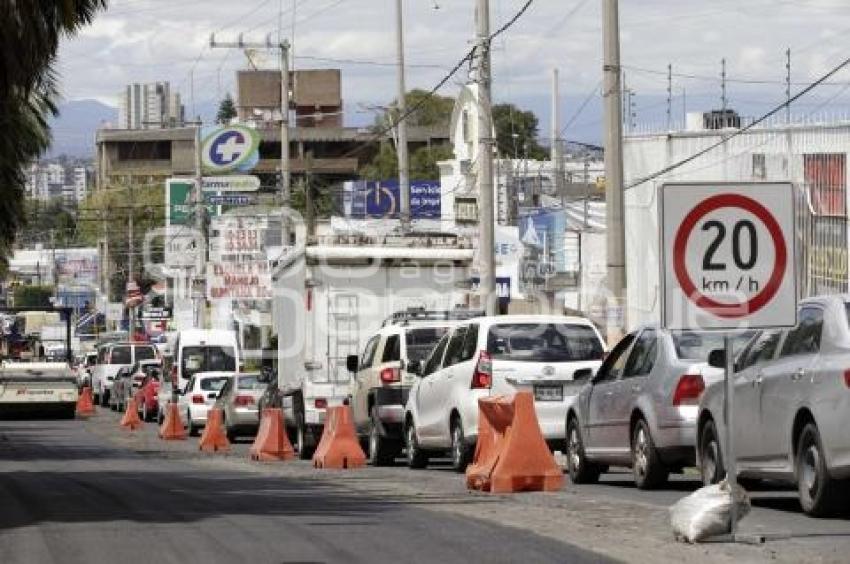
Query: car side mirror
pixel 717 358
pixel 414 367
pixel 582 374
pixel 352 362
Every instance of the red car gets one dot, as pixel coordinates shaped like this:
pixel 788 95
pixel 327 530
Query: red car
pixel 146 395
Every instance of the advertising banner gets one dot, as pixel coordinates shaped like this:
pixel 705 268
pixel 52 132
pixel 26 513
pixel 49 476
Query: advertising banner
pixel 381 200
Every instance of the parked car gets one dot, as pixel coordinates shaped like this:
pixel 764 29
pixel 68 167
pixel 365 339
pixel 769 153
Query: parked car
pixel 383 377
pixel 239 402
pixel 198 397
pixel 112 356
pixel 792 408
pixel 640 408
pixel 119 383
pixel 147 394
pixel 496 356
pixel 128 382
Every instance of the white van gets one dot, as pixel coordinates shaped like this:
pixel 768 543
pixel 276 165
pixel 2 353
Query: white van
pixel 202 350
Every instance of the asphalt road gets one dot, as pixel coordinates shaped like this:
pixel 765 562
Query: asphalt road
pixel 67 496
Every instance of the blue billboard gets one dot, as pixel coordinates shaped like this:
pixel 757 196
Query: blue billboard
pixel 380 199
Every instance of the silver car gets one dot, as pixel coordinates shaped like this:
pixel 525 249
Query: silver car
pixel 792 408
pixel 239 400
pixel 640 409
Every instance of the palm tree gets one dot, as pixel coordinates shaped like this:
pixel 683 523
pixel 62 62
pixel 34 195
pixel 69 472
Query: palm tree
pixel 30 33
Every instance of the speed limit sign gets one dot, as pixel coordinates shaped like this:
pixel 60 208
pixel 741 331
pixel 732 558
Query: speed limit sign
pixel 728 256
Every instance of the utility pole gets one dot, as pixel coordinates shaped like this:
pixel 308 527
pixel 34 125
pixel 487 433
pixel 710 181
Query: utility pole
pixel 401 126
pixel 285 171
pixel 615 217
pixel 556 151
pixel 487 250
pixel 723 84
pixel 200 225
pixel 309 203
pixel 669 97
pixel 788 86
pixel 130 234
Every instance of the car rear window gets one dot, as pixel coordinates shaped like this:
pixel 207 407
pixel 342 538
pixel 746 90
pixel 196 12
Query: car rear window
pixel 213 384
pixel 208 359
pixel 544 342
pixel 120 355
pixel 250 383
pixel 421 341
pixel 145 353
pixel 695 345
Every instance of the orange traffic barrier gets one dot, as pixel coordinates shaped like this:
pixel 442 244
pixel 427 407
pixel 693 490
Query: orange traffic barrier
pixel 271 443
pixel 511 454
pixel 131 416
pixel 85 405
pixel 339 447
pixel 214 439
pixel 172 428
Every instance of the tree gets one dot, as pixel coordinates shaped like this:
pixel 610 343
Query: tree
pixel 30 33
pixel 48 219
pixel 33 296
pixel 226 110
pixel 434 111
pixel 516 132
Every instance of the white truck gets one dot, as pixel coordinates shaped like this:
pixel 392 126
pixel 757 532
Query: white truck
pixel 329 299
pixel 37 388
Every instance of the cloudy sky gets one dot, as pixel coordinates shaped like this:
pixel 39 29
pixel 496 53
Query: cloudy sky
pixel 148 40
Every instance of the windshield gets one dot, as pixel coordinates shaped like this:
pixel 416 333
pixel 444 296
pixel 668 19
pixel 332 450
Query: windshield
pixel 693 345
pixel 207 359
pixel 120 355
pixel 544 342
pixel 421 341
pixel 213 384
pixel 145 353
pixel 250 383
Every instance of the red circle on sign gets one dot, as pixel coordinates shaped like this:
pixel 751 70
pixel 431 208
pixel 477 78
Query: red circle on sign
pixel 679 247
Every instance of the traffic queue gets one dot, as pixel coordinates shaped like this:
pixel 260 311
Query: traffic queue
pixel 652 403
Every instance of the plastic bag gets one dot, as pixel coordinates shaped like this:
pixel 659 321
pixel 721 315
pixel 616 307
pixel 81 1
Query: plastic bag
pixel 706 512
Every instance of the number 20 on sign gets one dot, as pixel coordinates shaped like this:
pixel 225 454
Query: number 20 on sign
pixel 728 256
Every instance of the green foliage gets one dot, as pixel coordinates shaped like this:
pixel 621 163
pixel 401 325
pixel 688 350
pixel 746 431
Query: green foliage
pixel 33 296
pixel 423 163
pixel 44 218
pixel 434 111
pixel 384 164
pixel 30 33
pixel 226 110
pixel 516 133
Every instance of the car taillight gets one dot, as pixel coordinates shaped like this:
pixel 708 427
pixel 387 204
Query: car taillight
pixel 847 378
pixel 320 403
pixel 243 400
pixel 197 398
pixel 483 375
pixel 688 390
pixel 390 375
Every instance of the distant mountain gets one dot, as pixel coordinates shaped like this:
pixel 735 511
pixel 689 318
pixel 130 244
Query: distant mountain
pixel 75 126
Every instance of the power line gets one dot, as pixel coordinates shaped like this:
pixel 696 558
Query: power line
pixel 738 132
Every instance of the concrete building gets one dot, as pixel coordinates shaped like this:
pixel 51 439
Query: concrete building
pixel 812 156
pixel 149 106
pixel 316 97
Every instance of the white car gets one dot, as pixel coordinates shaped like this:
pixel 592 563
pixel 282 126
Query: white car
pixel 110 358
pixel 496 356
pixel 199 395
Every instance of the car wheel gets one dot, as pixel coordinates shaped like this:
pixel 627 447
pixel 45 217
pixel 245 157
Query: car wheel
pixel 461 453
pixel 416 458
pixel 581 471
pixel 648 470
pixel 305 451
pixel 820 494
pixel 192 429
pixel 711 466
pixel 381 452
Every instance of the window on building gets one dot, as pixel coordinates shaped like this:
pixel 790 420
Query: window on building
pixel 144 151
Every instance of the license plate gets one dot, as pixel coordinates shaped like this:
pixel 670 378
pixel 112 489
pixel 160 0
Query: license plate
pixel 548 393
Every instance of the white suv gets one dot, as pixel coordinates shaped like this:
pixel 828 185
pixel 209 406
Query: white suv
pixel 496 356
pixel 110 358
pixel 382 381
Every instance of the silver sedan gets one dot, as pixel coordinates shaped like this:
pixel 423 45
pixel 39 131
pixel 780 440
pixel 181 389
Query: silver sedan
pixel 792 408
pixel 239 401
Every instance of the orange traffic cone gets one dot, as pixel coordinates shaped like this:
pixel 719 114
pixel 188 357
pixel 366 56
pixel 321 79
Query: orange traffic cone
pixel 271 442
pixel 172 428
pixel 131 416
pixel 85 405
pixel 339 447
pixel 213 439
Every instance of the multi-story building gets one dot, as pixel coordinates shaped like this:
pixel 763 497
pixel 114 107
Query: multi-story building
pixel 149 106
pixel 51 180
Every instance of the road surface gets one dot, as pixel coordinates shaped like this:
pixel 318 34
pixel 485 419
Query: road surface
pixel 68 496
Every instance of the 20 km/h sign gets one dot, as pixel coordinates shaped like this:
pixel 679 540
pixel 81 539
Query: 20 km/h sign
pixel 728 256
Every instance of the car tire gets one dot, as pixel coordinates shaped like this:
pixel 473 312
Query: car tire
pixel 305 451
pixel 461 452
pixel 416 457
pixel 581 470
pixel 191 428
pixel 711 467
pixel 820 494
pixel 648 470
pixel 381 451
